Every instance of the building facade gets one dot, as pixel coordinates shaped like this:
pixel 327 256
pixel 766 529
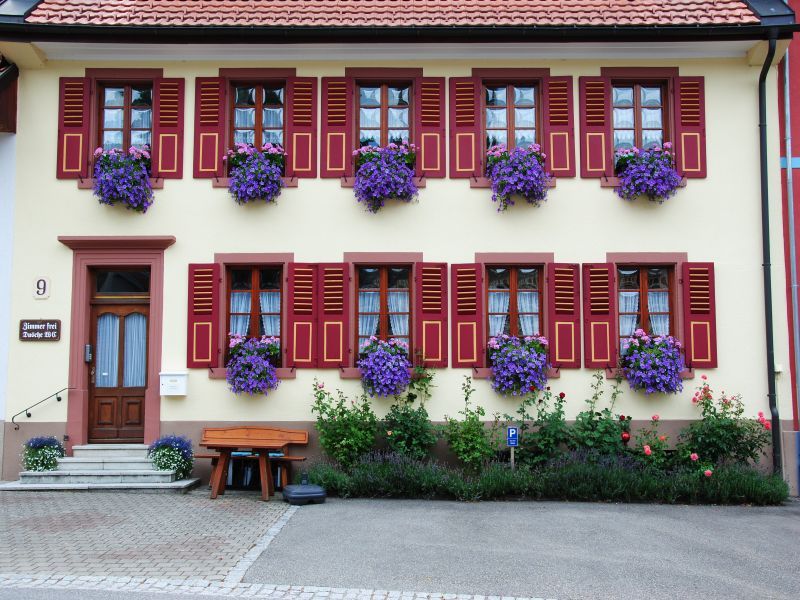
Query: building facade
pixel 138 295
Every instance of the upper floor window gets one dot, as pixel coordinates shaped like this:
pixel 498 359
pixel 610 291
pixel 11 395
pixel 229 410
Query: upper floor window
pixel 384 303
pixel 126 115
pixel 645 299
pixel 639 115
pixel 514 300
pixel 511 115
pixel 384 114
pixel 258 114
pixel 254 301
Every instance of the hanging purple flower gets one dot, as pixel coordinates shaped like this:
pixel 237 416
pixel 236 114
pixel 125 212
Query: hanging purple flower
pixel 255 174
pixel 652 363
pixel 650 173
pixel 384 367
pixel 384 173
pixel 123 178
pixel 251 366
pixel 519 365
pixel 519 172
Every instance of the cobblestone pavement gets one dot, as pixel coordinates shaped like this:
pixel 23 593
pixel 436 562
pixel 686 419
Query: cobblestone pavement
pixel 48 535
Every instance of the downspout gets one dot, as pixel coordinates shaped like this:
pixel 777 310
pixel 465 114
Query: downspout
pixel 777 461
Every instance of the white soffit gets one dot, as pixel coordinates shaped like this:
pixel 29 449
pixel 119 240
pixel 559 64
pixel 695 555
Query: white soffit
pixel 383 52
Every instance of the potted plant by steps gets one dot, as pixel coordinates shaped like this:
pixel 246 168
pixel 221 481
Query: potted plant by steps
pixel 385 173
pixel 172 453
pixel 123 178
pixel 42 453
pixel 518 172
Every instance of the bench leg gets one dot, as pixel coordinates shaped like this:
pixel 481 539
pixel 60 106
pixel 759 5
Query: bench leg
pixel 265 472
pixel 213 466
pixel 219 474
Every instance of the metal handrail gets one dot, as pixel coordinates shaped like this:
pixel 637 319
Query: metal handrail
pixel 27 411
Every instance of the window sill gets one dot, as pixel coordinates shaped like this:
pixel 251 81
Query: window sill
pixel 483 182
pixel 348 182
pixel 282 372
pixel 88 184
pixel 615 372
pixel 613 182
pixel 486 373
pixel 224 182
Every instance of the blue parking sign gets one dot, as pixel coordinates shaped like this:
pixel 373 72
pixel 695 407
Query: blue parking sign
pixel 512 437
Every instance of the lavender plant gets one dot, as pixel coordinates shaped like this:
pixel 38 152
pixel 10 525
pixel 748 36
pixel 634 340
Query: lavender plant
pixel 251 366
pixel 519 172
pixel 255 174
pixel 172 453
pixel 384 367
pixel 519 365
pixel 652 363
pixel 650 173
pixel 384 173
pixel 41 453
pixel 123 178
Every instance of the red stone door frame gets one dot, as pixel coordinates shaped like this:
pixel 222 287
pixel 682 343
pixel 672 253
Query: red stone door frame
pixel 112 251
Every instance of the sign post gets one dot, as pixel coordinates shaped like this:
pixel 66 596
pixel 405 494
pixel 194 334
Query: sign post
pixel 512 441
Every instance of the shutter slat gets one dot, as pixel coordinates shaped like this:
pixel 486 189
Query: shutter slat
pixel 563 312
pixel 597 149
pixel 466 145
pixel 209 127
pixel 430 316
pixel 167 147
pixel 469 346
pixel 337 135
pixel 301 127
pixel 699 315
pixel 74 146
pixel 202 345
pixel 599 316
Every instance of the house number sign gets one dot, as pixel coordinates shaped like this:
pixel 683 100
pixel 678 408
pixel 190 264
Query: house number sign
pixel 40 330
pixel 41 288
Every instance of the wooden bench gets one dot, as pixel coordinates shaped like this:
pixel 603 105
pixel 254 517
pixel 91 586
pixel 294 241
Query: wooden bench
pixel 261 441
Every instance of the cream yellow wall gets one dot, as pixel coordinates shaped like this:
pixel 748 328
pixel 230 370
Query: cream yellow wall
pixel 715 219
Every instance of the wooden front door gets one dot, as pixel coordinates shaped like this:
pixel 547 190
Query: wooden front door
pixel 118 372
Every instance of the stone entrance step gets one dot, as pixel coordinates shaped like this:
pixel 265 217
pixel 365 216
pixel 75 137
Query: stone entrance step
pixel 98 476
pixel 181 486
pixel 122 463
pixel 110 451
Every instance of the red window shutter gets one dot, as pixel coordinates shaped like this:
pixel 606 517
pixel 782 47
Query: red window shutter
pixel 337 127
pixel 334 310
pixel 597 146
pixel 690 120
pixel 466 143
pixel 167 146
pixel 209 127
pixel 74 147
pixel 563 315
pixel 599 316
pixel 559 137
pixel 429 125
pixel 430 316
pixel 301 127
pixel 469 345
pixel 301 334
pixel 699 315
pixel 202 348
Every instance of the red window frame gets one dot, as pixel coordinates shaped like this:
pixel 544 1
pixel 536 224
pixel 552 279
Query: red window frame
pixel 644 312
pixel 258 128
pixel 383 320
pixel 255 312
pixel 513 309
pixel 384 107
pixel 666 114
pixel 510 128
pixel 127 110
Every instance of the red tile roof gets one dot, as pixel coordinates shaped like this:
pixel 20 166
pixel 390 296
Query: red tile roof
pixel 393 13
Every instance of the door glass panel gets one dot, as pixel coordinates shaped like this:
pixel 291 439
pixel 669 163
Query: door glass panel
pixel 135 357
pixel 122 282
pixel 107 361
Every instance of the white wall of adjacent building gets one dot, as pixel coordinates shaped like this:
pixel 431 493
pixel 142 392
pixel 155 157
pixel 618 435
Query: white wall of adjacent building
pixel 7 194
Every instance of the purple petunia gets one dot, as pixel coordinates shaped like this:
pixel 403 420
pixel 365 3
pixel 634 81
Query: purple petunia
pixel 383 174
pixel 519 172
pixel 255 174
pixel 652 363
pixel 650 173
pixel 519 365
pixel 384 367
pixel 123 178
pixel 251 368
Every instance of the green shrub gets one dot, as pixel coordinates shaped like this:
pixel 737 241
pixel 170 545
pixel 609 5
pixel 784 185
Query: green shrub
pixel 408 430
pixel 542 436
pixel 600 430
pixel 469 439
pixel 347 430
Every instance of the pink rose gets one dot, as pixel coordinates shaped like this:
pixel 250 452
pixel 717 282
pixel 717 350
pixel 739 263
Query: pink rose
pixel 703 377
pixel 708 472
pixel 694 456
pixel 655 417
pixel 647 451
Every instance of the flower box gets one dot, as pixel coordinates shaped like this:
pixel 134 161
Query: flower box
pixel 485 182
pixel 225 182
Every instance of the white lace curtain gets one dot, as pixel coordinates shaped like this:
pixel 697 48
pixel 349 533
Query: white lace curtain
pixel 135 351
pixel 240 302
pixel 628 302
pixel 271 303
pixel 658 302
pixel 107 359
pixel 528 302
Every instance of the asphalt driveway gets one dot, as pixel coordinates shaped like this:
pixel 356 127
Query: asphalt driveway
pixel 544 549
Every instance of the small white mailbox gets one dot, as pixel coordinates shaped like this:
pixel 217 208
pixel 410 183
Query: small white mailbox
pixel 173 383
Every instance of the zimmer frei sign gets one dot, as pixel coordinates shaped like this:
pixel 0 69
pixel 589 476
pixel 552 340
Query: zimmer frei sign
pixel 40 330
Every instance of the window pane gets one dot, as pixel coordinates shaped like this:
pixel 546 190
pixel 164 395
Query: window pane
pixel 241 279
pixel 141 118
pixel 240 303
pixel 114 97
pixel 623 118
pixel 657 278
pixel 529 325
pixel 398 325
pixel 369 138
pixel 623 139
pixel 651 118
pixel 399 277
pixel 628 303
pixel 494 138
pixel 112 139
pixel 496 117
pixel 628 278
pixel 272 136
pixel 398 136
pixel 524 96
pixel 270 279
pixel 370 117
pixel 623 96
pixel 273 117
pixel 135 349
pixel 142 96
pixel 140 138
pixel 113 118
pixel 246 96
pixel 496 96
pixel 273 95
pixel 652 137
pixel 398 117
pixel 525 137
pixel 244 117
pixel 368 278
pixel 651 96
pixel 398 96
pixel 122 282
pixel 628 324
pixel 369 96
pixel 527 279
pixel 525 117
pixel 499 278
pixel 246 136
pixel 107 351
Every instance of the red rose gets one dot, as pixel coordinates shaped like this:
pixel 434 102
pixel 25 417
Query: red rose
pixel 622 417
pixel 626 436
pixel 561 395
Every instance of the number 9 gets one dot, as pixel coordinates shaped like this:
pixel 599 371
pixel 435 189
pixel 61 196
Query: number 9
pixel 41 287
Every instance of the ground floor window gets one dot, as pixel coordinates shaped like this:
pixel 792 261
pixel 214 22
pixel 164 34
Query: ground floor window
pixel 254 301
pixel 514 300
pixel 384 303
pixel 645 299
